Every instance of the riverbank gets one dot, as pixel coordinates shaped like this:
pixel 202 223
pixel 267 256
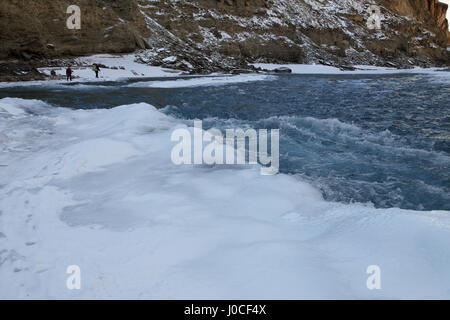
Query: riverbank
pixel 130 66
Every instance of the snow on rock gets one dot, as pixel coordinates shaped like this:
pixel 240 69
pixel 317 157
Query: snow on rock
pixel 170 59
pixel 294 31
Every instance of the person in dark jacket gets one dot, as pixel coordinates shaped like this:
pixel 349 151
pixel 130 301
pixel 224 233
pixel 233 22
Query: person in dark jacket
pixel 69 72
pixel 96 69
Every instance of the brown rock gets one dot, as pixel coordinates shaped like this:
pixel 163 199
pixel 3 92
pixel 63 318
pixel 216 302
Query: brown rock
pixel 224 34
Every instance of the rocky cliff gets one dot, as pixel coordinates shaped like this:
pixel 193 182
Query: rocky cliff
pixel 430 11
pixel 38 27
pixel 207 35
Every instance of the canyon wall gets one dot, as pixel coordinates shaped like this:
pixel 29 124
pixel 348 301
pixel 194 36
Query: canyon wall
pixel 38 27
pixel 430 11
pixel 220 34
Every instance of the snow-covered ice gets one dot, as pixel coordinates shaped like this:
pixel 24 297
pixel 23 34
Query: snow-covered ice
pixel 322 69
pixel 97 189
pixel 122 67
pixel 125 66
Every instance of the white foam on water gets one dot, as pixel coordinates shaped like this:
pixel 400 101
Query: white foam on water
pixel 97 189
pixel 202 81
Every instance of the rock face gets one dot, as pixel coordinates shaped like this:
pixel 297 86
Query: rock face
pixel 38 28
pixel 430 11
pixel 17 71
pixel 207 35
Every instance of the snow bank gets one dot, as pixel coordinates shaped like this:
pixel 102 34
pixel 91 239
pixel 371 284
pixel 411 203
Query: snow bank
pixel 120 67
pixel 97 189
pixel 124 67
pixel 322 69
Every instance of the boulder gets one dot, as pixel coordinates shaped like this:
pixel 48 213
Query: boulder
pixel 347 68
pixel 282 70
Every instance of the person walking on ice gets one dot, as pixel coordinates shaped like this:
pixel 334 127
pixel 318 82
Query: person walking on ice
pixel 96 69
pixel 69 72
